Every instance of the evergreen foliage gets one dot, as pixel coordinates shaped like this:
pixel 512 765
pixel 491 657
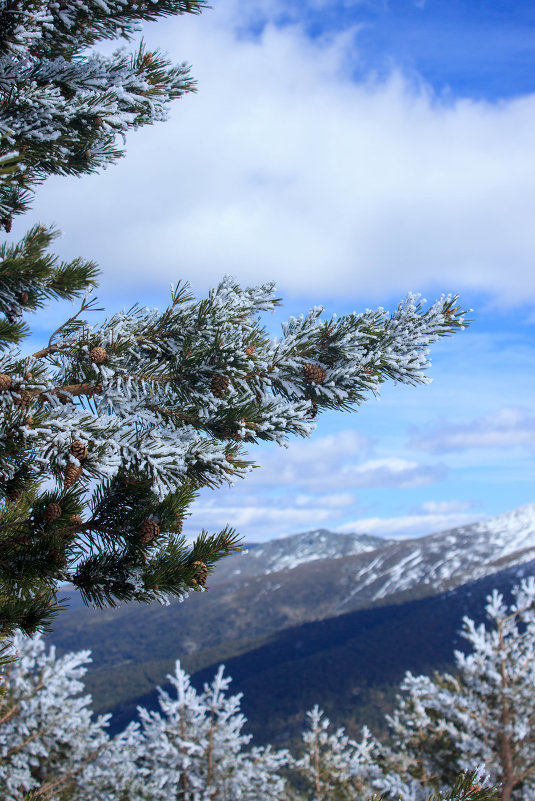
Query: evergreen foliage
pixel 195 750
pixel 63 106
pixel 334 767
pixel 486 713
pixel 47 737
pixel 107 433
pixel 124 422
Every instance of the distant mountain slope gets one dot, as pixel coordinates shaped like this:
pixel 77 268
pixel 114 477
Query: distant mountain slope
pixel 288 553
pixel 134 646
pixel 351 665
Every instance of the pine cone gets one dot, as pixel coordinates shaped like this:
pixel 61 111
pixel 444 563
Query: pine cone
pixel 76 521
pixel 14 495
pixel 72 474
pixel 52 512
pixel 98 355
pixel 314 374
pixel 149 531
pixel 23 298
pixel 201 574
pixel 5 382
pixel 21 397
pixel 313 411
pixel 226 432
pixel 78 450
pixel 219 385
pixel 249 351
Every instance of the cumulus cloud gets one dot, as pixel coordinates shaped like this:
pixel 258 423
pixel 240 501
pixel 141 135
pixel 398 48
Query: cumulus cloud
pixel 310 483
pixel 263 516
pixel 507 428
pixel 283 167
pixel 341 461
pixel 259 518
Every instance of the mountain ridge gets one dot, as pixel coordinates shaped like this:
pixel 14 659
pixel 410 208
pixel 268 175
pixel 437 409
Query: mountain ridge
pixel 351 665
pixel 134 646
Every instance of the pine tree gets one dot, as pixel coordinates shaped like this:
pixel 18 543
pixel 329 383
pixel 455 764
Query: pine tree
pixel 63 105
pixel 334 767
pixel 47 737
pixel 107 433
pixel 485 714
pixel 193 751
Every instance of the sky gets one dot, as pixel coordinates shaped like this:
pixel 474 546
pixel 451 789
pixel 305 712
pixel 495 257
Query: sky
pixel 351 151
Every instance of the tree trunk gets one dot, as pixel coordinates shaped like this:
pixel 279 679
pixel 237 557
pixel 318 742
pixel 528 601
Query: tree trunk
pixel 506 745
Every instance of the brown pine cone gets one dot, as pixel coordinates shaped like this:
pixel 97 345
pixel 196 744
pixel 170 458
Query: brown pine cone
pixel 201 574
pixel 219 385
pixel 250 350
pixel 21 397
pixel 72 474
pixel 313 411
pixel 78 450
pixel 23 298
pixel 52 512
pixel 314 374
pixel 149 531
pixel 5 382
pixel 98 355
pixel 76 521
pixel 226 432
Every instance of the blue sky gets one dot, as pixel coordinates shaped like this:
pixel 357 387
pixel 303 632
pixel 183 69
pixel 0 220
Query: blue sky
pixel 352 152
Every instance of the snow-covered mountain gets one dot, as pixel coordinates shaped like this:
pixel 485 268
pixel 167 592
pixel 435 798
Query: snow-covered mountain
pixel 446 559
pixel 308 577
pixel 371 568
pixel 288 553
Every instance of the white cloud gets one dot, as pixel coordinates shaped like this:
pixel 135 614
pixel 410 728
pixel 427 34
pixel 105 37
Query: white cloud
pixel 308 462
pixel 341 461
pixel 391 472
pixel 283 168
pixel 262 518
pixel 406 526
pixel 333 500
pixel 506 428
pixel 268 515
pixel 445 507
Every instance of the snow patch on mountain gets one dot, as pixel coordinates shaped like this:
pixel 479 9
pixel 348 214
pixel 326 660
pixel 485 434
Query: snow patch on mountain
pixel 287 553
pixel 447 558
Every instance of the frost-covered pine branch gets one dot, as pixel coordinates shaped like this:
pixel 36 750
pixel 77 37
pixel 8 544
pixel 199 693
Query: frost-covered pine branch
pixel 108 432
pixel 64 106
pixel 483 714
pixel 334 767
pixel 47 737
